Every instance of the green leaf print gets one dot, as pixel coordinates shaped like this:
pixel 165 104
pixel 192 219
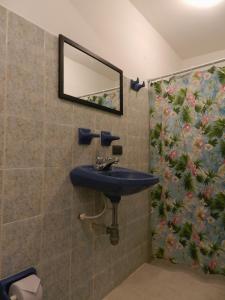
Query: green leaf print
pixel 200 178
pixel 194 252
pixel 221 76
pixel 180 97
pixel 156 193
pixel 186 231
pixel 222 148
pixel 188 182
pixel 155 133
pixel 162 210
pixel 186 115
pixel 218 203
pixel 211 70
pixel 223 220
pixel 181 163
pixel 210 177
pixel 160 253
pixel 217 129
pixel 207 105
pixel 198 108
pixel 213 142
pixel 157 87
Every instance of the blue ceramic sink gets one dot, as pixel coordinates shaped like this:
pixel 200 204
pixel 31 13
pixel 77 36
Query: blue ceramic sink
pixel 115 182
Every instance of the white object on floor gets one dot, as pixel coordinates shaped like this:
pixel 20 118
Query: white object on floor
pixel 28 288
pixel 156 282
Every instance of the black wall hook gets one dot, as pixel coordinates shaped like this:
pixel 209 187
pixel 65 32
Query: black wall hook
pixel 135 85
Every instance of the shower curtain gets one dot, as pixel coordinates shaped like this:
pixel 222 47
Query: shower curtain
pixel 187 152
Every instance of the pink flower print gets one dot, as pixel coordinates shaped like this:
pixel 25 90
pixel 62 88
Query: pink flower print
pixel 162 160
pixel 170 240
pixel 170 90
pixel 173 154
pixel 187 127
pixel 196 238
pixel 192 168
pixel 198 74
pixel 207 76
pixel 189 195
pixel 162 223
pixel 191 100
pixel 223 88
pixel 201 213
pixel 175 179
pixel 212 264
pixel 199 143
pixel 167 174
pixel 159 98
pixel 167 111
pixel 208 191
pixel 176 220
pixel 205 120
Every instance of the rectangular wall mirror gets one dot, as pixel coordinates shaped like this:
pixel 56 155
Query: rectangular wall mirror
pixel 88 79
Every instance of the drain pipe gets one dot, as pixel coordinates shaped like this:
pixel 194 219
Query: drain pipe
pixel 113 230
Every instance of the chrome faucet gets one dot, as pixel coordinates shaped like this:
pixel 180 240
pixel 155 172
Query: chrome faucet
pixel 103 164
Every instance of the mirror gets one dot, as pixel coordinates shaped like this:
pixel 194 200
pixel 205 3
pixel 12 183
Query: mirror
pixel 87 79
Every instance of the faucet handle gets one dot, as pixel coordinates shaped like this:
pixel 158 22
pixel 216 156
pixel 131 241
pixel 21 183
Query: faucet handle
pixel 85 136
pixel 107 138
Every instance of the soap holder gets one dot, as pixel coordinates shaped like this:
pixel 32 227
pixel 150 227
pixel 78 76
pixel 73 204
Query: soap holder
pixel 86 136
pixel 7 282
pixel 107 138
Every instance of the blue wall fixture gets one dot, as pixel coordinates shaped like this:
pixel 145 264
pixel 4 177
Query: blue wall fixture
pixel 7 282
pixel 135 85
pixel 85 136
pixel 107 138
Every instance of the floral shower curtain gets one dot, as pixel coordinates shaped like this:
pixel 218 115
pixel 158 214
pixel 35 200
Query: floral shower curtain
pixel 187 146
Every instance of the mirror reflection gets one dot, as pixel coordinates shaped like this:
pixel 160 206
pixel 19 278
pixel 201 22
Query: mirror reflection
pixel 90 81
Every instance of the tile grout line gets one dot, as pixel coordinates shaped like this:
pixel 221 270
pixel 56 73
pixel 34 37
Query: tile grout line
pixel 4 135
pixel 43 153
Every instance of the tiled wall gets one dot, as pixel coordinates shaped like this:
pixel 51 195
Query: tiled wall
pixel 38 148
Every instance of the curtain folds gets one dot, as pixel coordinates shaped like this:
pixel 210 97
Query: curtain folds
pixel 187 147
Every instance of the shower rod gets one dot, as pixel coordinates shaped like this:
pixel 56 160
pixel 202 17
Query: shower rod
pixel 187 70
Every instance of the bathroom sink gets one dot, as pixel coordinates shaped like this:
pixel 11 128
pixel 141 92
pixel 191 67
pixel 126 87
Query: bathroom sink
pixel 114 183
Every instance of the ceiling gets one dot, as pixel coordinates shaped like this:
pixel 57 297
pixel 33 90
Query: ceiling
pixel 191 31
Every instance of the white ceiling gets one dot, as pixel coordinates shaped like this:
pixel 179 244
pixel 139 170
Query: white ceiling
pixel 191 31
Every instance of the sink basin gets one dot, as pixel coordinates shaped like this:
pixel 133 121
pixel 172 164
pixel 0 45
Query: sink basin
pixel 114 183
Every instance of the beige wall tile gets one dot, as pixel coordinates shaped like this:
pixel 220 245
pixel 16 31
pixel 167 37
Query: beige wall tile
pixel 84 117
pixel 55 276
pixel 24 143
pixel 20 245
pixel 81 265
pixel 58 190
pixel 103 283
pixel 22 194
pixel 64 248
pixel 1 139
pixel 56 234
pixel 58 145
pixel 3 20
pixel 82 292
pixel 56 110
pixel 25 68
pixel 82 232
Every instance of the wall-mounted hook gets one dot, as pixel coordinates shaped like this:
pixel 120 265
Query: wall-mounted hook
pixel 107 138
pixel 85 136
pixel 135 85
